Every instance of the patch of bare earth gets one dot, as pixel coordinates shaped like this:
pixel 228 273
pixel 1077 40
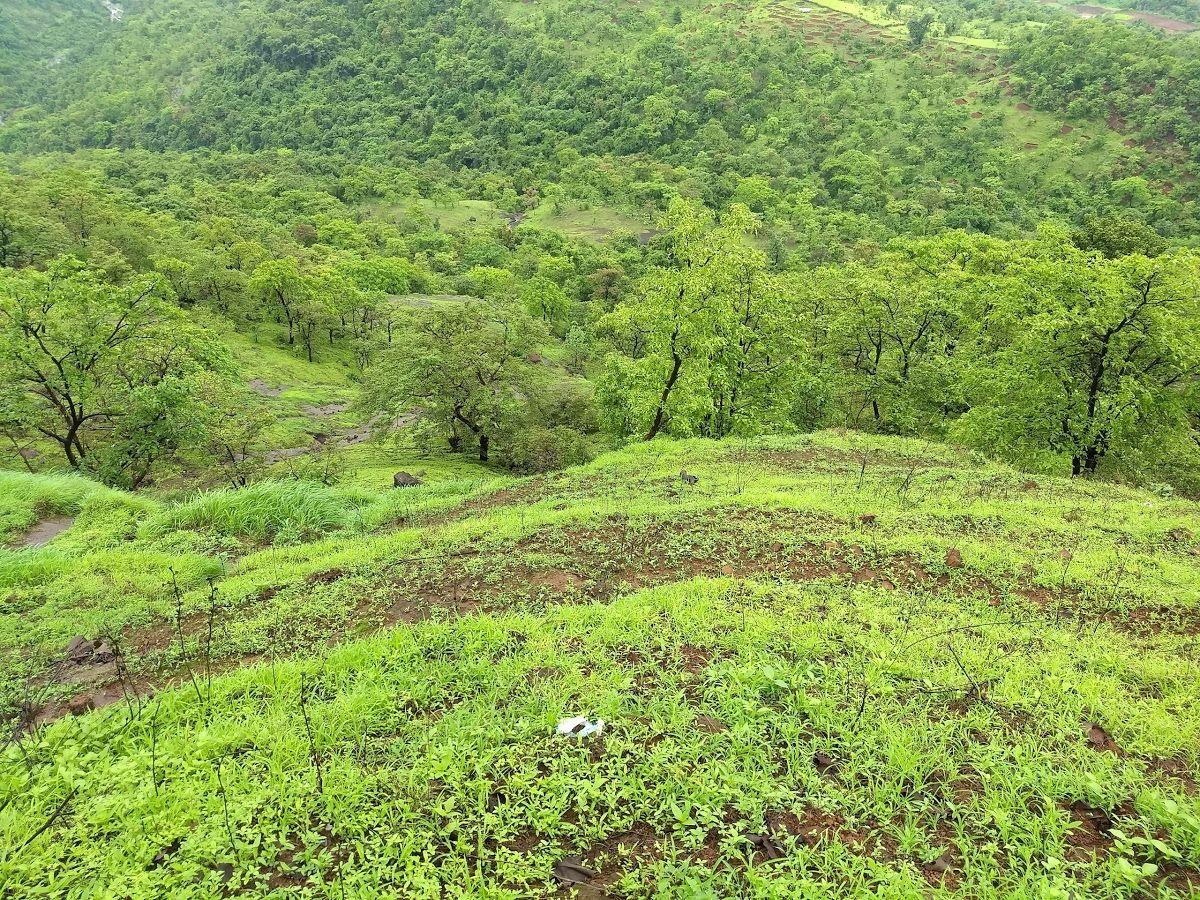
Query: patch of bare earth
pixel 45 531
pixel 597 563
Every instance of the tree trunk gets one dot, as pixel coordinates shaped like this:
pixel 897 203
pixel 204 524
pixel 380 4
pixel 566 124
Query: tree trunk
pixel 483 448
pixel 660 413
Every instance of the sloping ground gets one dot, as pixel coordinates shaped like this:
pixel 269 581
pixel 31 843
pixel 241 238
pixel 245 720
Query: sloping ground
pixel 831 666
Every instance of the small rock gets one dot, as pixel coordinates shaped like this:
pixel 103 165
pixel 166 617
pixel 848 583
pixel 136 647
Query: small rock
pixel 823 762
pixel 403 479
pixel 1100 740
pixel 571 870
pixel 79 650
pixel 710 725
pixel 942 864
pixel 103 654
pixel 954 558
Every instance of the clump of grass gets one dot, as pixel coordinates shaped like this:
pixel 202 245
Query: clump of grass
pixel 31 568
pixel 276 511
pixel 27 498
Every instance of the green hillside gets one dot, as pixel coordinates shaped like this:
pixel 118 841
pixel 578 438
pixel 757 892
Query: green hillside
pixel 832 663
pixel 635 450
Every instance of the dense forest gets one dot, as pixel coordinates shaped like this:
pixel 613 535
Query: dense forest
pixel 804 234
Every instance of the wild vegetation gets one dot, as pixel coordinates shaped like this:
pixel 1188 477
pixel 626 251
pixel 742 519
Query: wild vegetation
pixel 809 392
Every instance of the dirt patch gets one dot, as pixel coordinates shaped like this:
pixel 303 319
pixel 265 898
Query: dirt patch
pixel 695 659
pixel 826 459
pixel 1100 740
pixel 620 852
pixel 1173 771
pixel 45 531
pixel 328 409
pixel 599 562
pixel 263 389
pixel 1090 834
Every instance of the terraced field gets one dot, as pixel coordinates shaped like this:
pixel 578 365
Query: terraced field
pixel 832 665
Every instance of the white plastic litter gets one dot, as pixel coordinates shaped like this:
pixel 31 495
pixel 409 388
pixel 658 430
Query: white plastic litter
pixel 580 727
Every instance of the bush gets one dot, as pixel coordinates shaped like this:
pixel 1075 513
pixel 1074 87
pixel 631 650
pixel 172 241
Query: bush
pixel 538 449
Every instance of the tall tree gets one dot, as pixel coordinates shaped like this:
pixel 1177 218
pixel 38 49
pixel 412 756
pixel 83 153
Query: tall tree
pixel 682 313
pixel 101 370
pixel 1095 354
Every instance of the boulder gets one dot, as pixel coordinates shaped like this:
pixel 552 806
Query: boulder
pixel 403 479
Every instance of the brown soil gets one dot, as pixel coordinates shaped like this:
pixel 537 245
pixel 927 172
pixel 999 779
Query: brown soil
pixel 45 531
pixel 596 563
pixel 1090 835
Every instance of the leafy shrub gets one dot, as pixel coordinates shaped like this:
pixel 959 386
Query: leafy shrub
pixel 538 449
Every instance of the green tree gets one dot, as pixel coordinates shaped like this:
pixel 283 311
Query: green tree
pixel 281 286
pixel 1094 357
pixel 104 371
pixel 918 28
pixel 545 300
pixel 460 371
pixel 678 321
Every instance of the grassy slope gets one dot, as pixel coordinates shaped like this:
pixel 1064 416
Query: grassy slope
pixel 768 664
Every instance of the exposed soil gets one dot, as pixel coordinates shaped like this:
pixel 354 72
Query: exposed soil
pixel 45 531
pixel 263 389
pixel 328 409
pixel 1090 835
pixel 1089 11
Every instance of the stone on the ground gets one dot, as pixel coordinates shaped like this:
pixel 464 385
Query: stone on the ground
pixel 79 649
pixel 103 654
pixel 404 479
